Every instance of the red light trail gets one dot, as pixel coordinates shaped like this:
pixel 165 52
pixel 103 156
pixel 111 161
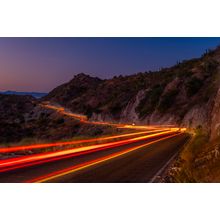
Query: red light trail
pixel 41 146
pixel 78 167
pixel 14 163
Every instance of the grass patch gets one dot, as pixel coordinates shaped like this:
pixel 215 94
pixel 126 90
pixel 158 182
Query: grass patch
pixel 188 171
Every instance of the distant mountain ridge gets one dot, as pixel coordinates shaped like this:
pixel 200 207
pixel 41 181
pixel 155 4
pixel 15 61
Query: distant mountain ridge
pixel 36 95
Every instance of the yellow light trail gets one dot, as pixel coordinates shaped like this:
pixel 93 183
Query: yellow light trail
pixel 54 144
pixel 76 168
pixel 42 156
pixel 84 119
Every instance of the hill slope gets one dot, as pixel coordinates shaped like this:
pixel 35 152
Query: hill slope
pixel 22 118
pixel 185 94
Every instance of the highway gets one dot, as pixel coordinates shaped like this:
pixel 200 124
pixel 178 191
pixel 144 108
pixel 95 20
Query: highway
pixel 134 157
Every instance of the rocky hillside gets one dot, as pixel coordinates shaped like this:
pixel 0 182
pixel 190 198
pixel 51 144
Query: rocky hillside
pixel 13 112
pixel 186 94
pixel 22 118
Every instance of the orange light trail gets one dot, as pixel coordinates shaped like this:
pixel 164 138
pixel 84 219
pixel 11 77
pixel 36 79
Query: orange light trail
pixel 64 112
pixel 84 119
pixel 79 167
pixel 41 146
pixel 12 163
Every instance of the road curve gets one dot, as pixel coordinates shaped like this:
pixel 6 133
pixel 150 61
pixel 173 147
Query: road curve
pixel 133 162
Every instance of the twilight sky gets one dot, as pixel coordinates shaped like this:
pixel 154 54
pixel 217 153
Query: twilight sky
pixel 40 64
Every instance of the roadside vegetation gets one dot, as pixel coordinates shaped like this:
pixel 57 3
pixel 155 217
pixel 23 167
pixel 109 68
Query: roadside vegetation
pixel 198 162
pixel 148 104
pixel 36 141
pixel 193 86
pixel 167 100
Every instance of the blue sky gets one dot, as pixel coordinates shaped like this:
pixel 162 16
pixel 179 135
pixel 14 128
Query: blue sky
pixel 40 64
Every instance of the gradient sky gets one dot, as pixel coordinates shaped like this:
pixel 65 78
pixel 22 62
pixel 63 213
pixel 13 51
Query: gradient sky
pixel 40 64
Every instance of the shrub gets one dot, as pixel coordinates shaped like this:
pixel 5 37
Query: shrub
pixel 167 100
pixel 114 109
pixel 60 121
pixel 96 131
pixel 193 86
pixel 149 102
pixel 210 67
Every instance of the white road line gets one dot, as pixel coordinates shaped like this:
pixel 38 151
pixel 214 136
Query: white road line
pixel 160 171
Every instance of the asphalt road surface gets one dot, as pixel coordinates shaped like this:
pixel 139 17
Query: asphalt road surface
pixel 139 163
